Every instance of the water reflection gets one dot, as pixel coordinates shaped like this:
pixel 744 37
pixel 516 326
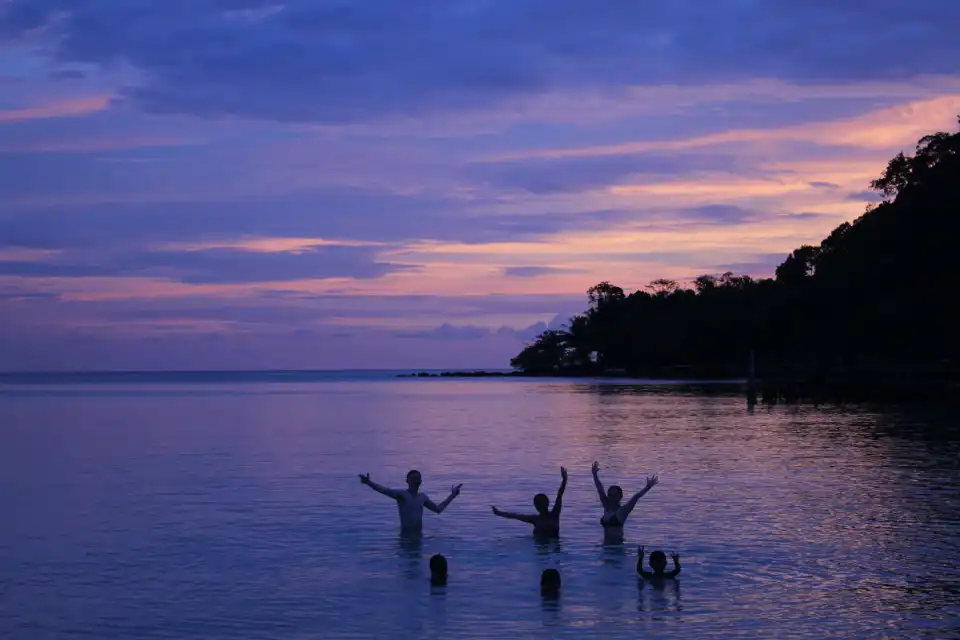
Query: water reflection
pixel 550 603
pixel 410 549
pixel 547 546
pixel 658 595
pixel 616 555
pixel 847 515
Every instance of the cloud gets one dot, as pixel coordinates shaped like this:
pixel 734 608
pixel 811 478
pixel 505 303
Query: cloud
pixel 448 331
pixel 303 183
pixel 218 265
pixel 760 266
pixel 67 74
pixel 532 272
pixel 58 109
pixel 722 214
pixel 865 196
pixel 341 213
pixel 204 348
pixel 572 175
pixel 877 130
pixel 38 331
pixel 278 310
pixel 335 62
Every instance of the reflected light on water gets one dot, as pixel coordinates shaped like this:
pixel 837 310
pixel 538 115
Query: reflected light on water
pixel 235 511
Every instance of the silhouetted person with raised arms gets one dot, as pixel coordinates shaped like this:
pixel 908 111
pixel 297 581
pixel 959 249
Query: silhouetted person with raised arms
pixel 546 522
pixel 658 562
pixel 410 502
pixel 614 513
pixel 438 571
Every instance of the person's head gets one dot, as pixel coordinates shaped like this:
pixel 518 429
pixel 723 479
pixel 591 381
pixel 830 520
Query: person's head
pixel 541 502
pixel 658 561
pixel 414 479
pixel 615 493
pixel 550 582
pixel 438 568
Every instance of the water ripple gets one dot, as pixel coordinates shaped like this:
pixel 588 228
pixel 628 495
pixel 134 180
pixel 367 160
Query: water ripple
pixel 235 511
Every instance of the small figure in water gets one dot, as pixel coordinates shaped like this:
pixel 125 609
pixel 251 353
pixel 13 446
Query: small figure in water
pixel 550 583
pixel 615 514
pixel 658 562
pixel 411 502
pixel 546 523
pixel 438 571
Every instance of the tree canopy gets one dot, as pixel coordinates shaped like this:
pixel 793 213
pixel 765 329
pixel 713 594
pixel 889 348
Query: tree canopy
pixel 875 293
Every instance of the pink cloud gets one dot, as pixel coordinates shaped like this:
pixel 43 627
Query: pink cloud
pixel 59 109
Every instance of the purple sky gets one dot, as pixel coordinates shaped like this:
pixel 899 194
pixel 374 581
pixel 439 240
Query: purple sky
pixel 428 183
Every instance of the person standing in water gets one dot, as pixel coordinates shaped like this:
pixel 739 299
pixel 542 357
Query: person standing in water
pixel 546 522
pixel 410 502
pixel 614 513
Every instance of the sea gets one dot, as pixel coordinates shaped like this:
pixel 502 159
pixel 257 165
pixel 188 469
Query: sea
pixel 187 505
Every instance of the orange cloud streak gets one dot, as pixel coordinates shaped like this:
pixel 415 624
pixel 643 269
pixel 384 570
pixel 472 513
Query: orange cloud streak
pixel 59 109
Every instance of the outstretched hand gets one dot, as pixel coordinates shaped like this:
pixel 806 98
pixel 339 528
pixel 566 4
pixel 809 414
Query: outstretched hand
pixel 595 469
pixel 563 473
pixel 640 550
pixel 675 557
pixel 496 511
pixel 652 481
pixel 365 478
pixel 455 489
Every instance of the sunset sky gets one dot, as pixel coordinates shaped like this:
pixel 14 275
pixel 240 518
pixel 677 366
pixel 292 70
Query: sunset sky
pixel 423 183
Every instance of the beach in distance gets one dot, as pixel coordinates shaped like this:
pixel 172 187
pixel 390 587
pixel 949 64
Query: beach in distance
pixel 176 506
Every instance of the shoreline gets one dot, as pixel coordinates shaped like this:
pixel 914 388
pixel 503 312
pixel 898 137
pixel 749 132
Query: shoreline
pixel 576 376
pixel 770 390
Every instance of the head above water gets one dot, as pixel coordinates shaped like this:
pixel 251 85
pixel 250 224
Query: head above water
pixel 541 502
pixel 550 581
pixel 414 480
pixel 658 561
pixel 615 493
pixel 438 567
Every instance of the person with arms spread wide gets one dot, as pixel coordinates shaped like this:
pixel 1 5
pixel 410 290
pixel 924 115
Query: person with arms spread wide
pixel 410 502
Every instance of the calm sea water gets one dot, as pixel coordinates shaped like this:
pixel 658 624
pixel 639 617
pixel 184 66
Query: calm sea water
pixel 232 509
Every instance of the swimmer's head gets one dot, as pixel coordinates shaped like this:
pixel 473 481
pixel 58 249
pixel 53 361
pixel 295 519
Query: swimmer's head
pixel 550 582
pixel 615 493
pixel 658 561
pixel 414 480
pixel 541 502
pixel 438 568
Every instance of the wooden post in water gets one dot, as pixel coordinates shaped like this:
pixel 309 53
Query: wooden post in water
pixel 751 380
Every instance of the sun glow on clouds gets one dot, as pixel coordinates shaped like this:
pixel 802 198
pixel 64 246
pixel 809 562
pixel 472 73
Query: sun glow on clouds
pixel 269 245
pixel 533 196
pixel 63 108
pixel 876 130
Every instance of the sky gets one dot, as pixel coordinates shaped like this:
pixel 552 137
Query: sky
pixel 220 184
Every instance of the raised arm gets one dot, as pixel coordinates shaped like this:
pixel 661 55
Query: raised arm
pixel 625 510
pixel 514 516
pixel 438 508
pixel 558 503
pixel 640 570
pixel 595 470
pixel 365 479
pixel 676 566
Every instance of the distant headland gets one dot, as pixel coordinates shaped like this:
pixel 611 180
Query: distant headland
pixel 866 314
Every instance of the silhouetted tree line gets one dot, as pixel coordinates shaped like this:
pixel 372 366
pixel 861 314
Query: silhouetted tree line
pixel 875 296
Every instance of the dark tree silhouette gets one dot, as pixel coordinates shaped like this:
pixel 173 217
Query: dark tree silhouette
pixel 874 296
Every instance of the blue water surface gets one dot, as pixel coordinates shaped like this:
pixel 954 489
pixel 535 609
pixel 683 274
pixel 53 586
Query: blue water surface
pixel 232 509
